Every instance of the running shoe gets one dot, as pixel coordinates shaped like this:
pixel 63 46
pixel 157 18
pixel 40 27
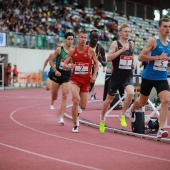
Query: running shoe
pixel 102 127
pixel 92 97
pixel 162 134
pixel 52 107
pixel 75 129
pixel 123 121
pixel 61 120
pixel 79 109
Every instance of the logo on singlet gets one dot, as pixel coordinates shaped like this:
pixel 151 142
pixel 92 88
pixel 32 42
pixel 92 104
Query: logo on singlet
pixel 85 55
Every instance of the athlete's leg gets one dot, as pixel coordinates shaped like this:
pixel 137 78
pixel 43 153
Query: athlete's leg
pixel 164 97
pixel 83 101
pixel 128 98
pixel 65 91
pixel 54 92
pixel 76 99
pixel 48 84
pixel 106 105
pixel 139 102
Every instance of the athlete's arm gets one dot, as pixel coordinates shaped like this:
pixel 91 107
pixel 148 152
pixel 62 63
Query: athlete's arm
pixel 133 60
pixel 67 65
pixel 101 57
pixel 52 58
pixel 151 45
pixel 96 66
pixel 114 52
pixel 45 63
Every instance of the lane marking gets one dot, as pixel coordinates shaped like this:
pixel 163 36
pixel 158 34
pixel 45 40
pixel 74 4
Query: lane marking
pixel 78 141
pixel 49 157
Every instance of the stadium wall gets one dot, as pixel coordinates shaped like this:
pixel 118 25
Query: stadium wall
pixel 32 60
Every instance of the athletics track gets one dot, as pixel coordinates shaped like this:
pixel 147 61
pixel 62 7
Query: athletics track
pixel 31 139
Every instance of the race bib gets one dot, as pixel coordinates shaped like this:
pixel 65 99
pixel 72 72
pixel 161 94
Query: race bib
pixel 161 65
pixel 125 62
pixel 81 68
pixel 62 63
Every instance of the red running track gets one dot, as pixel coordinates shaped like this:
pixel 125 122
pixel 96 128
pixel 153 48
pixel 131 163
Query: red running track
pixel 31 139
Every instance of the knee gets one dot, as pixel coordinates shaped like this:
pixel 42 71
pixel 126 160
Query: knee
pixel 165 101
pixel 64 96
pixel 75 101
pixel 130 95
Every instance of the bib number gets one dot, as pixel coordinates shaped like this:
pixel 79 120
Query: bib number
pixel 125 62
pixel 161 65
pixel 81 68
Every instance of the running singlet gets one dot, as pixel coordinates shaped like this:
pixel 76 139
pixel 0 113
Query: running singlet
pixel 82 70
pixel 123 63
pixel 157 70
pixel 60 61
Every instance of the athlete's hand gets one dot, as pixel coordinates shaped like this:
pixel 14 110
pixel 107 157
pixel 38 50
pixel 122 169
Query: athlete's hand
pixel 125 48
pixel 163 56
pixel 72 65
pixel 57 73
pixel 93 79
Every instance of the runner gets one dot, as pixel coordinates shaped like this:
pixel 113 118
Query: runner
pixel 121 55
pixel 60 76
pixel 155 73
pixel 82 57
pixel 49 79
pixel 100 54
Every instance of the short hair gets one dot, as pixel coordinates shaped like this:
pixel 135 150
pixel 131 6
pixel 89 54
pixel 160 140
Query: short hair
pixel 83 31
pixel 124 26
pixel 163 20
pixel 68 34
pixel 96 31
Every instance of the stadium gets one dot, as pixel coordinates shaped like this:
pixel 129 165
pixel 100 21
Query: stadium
pixel 31 30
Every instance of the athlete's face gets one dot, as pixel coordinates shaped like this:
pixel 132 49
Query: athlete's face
pixel 82 38
pixel 94 38
pixel 69 41
pixel 125 33
pixel 164 29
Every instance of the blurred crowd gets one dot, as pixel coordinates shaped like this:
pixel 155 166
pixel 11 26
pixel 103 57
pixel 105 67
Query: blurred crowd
pixel 52 18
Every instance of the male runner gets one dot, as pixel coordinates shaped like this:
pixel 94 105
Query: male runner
pixel 155 73
pixel 100 54
pixel 82 57
pixel 61 77
pixel 49 79
pixel 121 55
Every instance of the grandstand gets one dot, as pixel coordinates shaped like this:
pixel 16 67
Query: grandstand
pixel 41 24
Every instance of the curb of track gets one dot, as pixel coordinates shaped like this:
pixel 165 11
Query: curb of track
pixel 110 129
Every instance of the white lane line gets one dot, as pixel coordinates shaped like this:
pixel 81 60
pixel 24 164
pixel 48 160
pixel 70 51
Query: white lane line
pixel 49 157
pixel 78 141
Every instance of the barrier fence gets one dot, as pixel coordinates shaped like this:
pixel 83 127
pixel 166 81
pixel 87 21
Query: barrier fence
pixel 25 79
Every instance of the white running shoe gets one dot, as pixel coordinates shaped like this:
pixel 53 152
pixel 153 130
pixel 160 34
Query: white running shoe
pixel 162 134
pixel 61 120
pixel 75 129
pixel 52 107
pixel 79 109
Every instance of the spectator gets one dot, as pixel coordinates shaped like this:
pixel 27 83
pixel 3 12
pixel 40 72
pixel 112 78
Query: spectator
pixel 15 74
pixel 8 73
